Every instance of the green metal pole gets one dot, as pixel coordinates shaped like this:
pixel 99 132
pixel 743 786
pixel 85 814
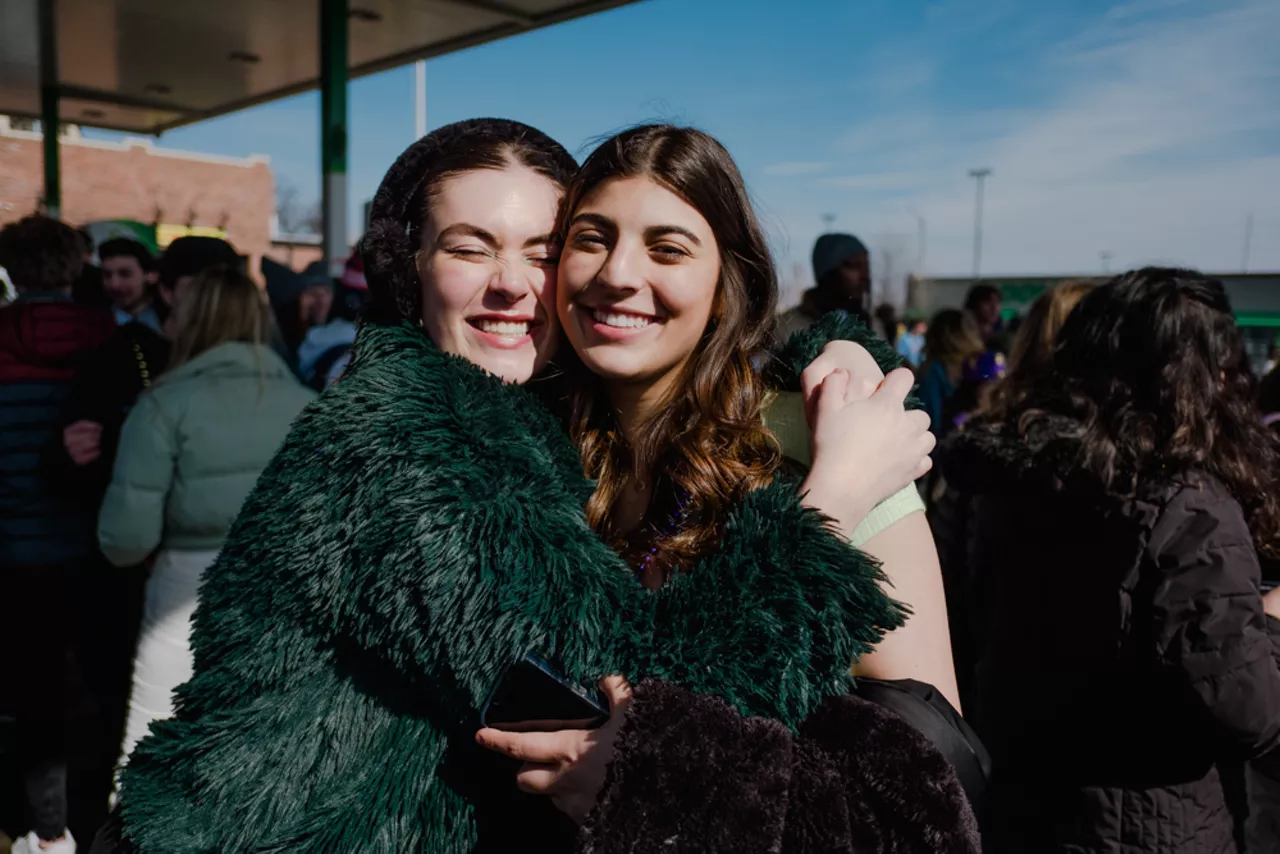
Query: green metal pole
pixel 333 129
pixel 49 121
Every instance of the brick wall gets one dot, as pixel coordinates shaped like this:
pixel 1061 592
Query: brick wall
pixel 137 180
pixel 296 255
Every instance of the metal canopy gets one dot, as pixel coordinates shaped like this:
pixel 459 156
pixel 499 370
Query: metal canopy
pixel 152 65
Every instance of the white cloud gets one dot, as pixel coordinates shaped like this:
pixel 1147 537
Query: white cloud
pixel 877 181
pixel 796 167
pixel 1163 135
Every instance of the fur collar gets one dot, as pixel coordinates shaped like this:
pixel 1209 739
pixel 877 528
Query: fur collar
pixel 992 457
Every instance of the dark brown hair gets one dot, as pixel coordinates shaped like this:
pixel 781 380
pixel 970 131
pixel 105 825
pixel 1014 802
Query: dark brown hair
pixel 707 442
pixel 399 208
pixel 1153 380
pixel 127 247
pixel 41 254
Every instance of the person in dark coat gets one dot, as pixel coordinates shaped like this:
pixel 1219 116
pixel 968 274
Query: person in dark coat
pixel 1127 661
pixel 1030 364
pixel 108 599
pixel 842 272
pixel 109 379
pixel 43 534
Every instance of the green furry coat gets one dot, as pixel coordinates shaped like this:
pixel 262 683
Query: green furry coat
pixel 421 528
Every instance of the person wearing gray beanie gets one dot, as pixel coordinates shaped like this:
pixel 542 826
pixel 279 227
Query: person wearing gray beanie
pixel 842 271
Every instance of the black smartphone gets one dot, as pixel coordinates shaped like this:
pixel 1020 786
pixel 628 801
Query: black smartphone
pixel 1269 584
pixel 531 692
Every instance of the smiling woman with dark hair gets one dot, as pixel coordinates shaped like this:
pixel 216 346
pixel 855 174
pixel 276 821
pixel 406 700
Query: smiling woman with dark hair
pixel 665 292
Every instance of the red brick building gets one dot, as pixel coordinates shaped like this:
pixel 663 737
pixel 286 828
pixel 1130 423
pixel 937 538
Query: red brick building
pixel 138 180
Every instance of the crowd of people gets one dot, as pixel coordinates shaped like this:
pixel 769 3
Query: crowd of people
pixel 1025 610
pixel 142 397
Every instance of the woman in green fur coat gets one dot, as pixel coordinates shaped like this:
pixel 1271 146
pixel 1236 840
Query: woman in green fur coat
pixel 423 527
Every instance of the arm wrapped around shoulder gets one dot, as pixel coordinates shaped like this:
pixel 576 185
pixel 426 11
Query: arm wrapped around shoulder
pixel 690 774
pixel 784 370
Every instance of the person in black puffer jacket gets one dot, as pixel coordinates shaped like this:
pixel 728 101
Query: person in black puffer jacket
pixel 1126 659
pixel 45 537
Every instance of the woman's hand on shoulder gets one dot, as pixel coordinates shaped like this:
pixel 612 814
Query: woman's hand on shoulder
pixel 865 375
pixel 865 449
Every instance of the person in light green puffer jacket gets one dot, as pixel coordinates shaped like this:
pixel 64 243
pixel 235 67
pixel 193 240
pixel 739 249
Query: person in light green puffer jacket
pixel 190 452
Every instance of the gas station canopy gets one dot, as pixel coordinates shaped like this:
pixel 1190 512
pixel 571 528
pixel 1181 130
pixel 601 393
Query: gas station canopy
pixel 152 65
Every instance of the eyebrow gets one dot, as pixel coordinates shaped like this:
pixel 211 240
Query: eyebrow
pixel 651 233
pixel 598 220
pixel 463 229
pixel 542 240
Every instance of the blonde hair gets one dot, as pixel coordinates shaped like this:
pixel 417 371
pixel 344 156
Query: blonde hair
pixel 952 338
pixel 222 304
pixel 1031 356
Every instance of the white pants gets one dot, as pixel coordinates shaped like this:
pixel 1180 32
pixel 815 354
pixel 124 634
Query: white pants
pixel 163 659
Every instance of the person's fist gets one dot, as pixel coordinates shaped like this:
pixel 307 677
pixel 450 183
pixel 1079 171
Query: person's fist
pixel 83 441
pixel 864 375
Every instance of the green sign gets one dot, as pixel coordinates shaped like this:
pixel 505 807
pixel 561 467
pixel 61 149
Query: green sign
pixel 108 229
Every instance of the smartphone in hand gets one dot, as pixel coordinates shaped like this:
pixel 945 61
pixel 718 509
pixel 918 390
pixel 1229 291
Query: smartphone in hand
pixel 533 695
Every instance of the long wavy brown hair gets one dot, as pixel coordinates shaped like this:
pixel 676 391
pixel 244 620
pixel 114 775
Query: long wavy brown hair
pixel 1150 380
pixel 706 446
pixel 1031 356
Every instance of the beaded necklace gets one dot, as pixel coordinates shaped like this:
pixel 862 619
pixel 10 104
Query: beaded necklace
pixel 674 523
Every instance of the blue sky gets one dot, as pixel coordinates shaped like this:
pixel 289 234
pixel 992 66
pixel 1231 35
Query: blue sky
pixel 1149 129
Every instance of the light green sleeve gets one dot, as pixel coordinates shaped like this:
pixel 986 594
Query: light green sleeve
pixel 784 416
pixel 131 522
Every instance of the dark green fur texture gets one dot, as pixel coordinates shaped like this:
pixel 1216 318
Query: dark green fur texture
pixel 803 347
pixel 421 528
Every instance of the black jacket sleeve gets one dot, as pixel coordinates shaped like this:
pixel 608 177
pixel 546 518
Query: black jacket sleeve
pixel 690 774
pixel 1210 623
pixel 98 394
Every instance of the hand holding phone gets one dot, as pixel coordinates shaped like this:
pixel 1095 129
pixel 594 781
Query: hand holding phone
pixel 532 695
pixel 567 766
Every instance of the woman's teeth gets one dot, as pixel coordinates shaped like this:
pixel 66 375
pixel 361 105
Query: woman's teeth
pixel 504 328
pixel 621 321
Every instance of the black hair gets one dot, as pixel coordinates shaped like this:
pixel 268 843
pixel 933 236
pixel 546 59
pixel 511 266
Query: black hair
pixel 41 254
pixel 191 255
pixel 980 293
pixel 399 209
pixel 127 247
pixel 1152 379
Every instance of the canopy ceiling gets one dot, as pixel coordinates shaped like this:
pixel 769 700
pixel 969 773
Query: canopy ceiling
pixel 153 65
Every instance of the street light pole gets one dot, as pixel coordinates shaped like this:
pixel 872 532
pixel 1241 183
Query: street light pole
pixel 1106 256
pixel 420 99
pixel 922 238
pixel 981 176
pixel 1248 241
